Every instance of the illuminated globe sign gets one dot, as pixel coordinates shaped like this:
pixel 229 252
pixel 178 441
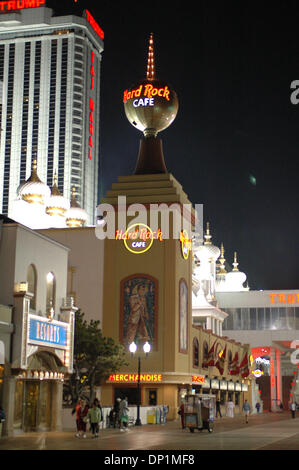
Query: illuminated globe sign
pixel 150 106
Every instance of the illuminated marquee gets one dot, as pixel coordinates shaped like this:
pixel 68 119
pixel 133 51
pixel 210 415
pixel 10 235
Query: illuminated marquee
pixel 284 298
pixel 134 378
pixel 148 91
pixel 94 24
pixel 138 238
pixel 20 4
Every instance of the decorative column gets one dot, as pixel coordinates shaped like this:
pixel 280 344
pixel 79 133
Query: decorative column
pixel 273 390
pixel 278 375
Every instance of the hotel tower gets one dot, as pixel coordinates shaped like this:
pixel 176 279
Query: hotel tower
pixel 50 71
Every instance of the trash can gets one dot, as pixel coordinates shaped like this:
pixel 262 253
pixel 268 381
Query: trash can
pixel 151 416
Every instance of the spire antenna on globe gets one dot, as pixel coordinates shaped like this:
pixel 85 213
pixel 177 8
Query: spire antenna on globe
pixel 150 71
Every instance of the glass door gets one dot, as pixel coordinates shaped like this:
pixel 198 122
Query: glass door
pixel 45 406
pixel 30 405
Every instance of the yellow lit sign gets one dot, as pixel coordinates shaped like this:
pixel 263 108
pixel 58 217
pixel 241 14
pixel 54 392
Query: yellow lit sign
pixel 134 378
pixel 185 244
pixel 138 238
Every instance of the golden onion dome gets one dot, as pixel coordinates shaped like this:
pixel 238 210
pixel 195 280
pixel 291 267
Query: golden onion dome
pixel 75 216
pixel 34 190
pixel 57 204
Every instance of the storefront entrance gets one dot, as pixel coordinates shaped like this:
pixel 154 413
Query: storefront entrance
pixel 37 405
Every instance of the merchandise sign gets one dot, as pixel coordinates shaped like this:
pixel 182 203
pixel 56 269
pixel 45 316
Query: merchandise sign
pixel 12 5
pixel 138 238
pixel 47 333
pixel 134 378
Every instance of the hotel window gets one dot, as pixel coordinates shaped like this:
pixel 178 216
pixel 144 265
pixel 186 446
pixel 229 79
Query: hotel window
pixel 9 107
pixel 195 352
pixel 51 292
pixel 205 351
pixel 32 283
pixel 27 55
pixel 230 359
pixel 253 319
pixel 261 319
pixel 52 101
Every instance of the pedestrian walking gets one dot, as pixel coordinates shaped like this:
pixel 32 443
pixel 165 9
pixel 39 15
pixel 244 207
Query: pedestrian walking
pixel 181 412
pixel 258 406
pixel 293 409
pixel 124 414
pixel 77 411
pixel 83 419
pixel 116 417
pixel 98 405
pixel 246 409
pixel 218 408
pixel 94 415
pixel 230 409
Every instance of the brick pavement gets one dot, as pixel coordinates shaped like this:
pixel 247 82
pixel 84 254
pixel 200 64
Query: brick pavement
pixel 267 431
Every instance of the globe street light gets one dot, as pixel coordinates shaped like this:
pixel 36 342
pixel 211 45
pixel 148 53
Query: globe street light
pixel 133 349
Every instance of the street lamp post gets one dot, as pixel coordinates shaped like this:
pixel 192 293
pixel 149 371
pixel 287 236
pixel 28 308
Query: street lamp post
pixel 133 349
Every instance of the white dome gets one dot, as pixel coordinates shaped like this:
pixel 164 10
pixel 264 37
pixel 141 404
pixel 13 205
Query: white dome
pixel 56 204
pixel 236 278
pixel 208 252
pixel 34 190
pixel 75 216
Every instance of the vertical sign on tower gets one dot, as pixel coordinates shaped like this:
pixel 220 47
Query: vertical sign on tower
pixel 91 106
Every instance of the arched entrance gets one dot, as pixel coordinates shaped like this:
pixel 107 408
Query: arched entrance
pixel 39 391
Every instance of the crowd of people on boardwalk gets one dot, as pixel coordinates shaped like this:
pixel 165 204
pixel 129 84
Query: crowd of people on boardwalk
pixel 118 417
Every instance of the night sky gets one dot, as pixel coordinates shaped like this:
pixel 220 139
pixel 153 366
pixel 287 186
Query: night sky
pixel 235 142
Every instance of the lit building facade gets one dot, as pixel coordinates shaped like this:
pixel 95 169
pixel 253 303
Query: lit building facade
pixel 50 69
pixel 37 321
pixel 269 321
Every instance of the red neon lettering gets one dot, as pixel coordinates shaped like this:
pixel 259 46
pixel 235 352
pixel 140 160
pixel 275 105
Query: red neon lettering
pixel 94 24
pixel 91 104
pixel 90 128
pixel 272 298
